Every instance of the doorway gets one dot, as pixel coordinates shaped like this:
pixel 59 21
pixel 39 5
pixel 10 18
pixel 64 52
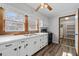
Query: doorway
pixel 67 30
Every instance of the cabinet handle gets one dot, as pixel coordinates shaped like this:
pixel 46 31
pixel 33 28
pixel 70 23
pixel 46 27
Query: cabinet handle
pixel 25 45
pixel 0 54
pixel 8 45
pixel 19 47
pixel 15 49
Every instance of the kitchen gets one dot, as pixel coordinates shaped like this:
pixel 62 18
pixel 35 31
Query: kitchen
pixel 25 31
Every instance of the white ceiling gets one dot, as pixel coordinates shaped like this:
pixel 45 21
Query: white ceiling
pixel 58 8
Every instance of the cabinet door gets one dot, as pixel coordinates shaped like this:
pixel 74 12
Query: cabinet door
pixel 10 52
pixel 36 44
pixel 23 48
pixel 10 49
pixel 31 46
pixel 43 40
pixel 26 48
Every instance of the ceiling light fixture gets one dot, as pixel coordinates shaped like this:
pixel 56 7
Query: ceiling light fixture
pixel 44 5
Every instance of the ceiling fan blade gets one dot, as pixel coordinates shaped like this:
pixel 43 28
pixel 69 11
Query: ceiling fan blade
pixel 49 7
pixel 38 8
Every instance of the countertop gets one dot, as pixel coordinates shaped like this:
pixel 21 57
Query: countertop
pixel 9 38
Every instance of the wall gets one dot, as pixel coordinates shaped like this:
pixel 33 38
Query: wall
pixel 54 25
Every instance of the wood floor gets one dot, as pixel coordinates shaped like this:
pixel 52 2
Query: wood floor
pixel 56 50
pixel 68 42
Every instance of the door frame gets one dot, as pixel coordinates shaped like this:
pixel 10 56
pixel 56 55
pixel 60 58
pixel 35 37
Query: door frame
pixel 77 15
pixel 59 23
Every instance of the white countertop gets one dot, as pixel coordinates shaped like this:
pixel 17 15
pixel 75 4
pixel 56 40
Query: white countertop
pixel 8 38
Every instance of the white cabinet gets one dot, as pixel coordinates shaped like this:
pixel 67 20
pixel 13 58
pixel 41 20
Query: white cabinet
pixel 9 49
pixel 23 47
pixel 10 52
pixel 34 45
pixel 43 40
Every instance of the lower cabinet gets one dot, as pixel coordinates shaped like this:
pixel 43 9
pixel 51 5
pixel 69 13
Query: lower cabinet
pixel 36 44
pixel 9 49
pixel 24 47
pixel 43 40
pixel 33 45
pixel 9 52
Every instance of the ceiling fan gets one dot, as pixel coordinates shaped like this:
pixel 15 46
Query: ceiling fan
pixel 44 5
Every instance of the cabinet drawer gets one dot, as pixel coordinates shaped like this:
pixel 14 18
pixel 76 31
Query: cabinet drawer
pixel 23 41
pixel 9 45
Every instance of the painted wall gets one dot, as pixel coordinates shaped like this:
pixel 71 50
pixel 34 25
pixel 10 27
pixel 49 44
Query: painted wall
pixel 54 25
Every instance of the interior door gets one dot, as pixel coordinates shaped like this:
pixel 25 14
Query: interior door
pixel 67 30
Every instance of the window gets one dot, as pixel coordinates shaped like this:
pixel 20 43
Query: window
pixel 13 22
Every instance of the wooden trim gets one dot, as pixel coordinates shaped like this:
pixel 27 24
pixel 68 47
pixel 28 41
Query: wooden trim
pixel 1 20
pixel 78 32
pixel 37 25
pixel 59 30
pixel 67 16
pixel 77 15
pixel 26 23
pixel 2 25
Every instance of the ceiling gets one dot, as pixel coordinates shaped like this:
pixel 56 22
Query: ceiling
pixel 58 8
